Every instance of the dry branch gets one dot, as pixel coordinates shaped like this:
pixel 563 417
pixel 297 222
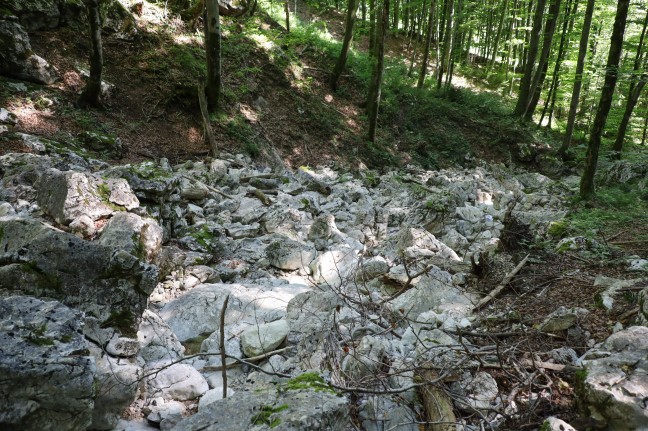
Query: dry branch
pixel 209 134
pixel 506 280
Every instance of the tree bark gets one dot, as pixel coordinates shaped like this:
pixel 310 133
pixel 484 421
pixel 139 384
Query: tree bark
pixel 633 93
pixel 352 7
pixel 611 71
pixel 376 79
pixel 543 64
pixel 529 62
pixel 578 81
pixel 287 12
pixel 92 92
pixel 447 41
pixel 213 51
pixel 426 50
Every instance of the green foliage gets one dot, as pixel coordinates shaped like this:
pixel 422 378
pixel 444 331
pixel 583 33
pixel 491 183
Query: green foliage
pixel 309 380
pixel 265 416
pixel 37 336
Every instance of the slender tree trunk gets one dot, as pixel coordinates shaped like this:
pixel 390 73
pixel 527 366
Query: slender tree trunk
pixel 372 26
pixel 447 41
pixel 532 52
pixel 611 71
pixel 213 49
pixel 645 127
pixel 92 91
pixel 287 12
pixel 352 7
pixel 455 44
pixel 426 50
pixel 498 35
pixel 396 15
pixel 633 93
pixel 376 79
pixel 578 80
pixel 541 73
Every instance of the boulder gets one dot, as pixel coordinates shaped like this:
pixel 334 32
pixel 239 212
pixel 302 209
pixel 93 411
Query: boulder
pixel 288 410
pixel 475 392
pixel 288 254
pixel 180 382
pixel 17 59
pixel 157 341
pixel 105 282
pixel 66 196
pixel 264 338
pixel 36 15
pixel 335 268
pixel 552 423
pixel 382 413
pixel 46 368
pixel 116 381
pixel 141 237
pixel 561 319
pixel 613 387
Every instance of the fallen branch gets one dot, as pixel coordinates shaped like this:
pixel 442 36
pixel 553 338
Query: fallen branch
pixel 210 188
pixel 635 241
pixel 238 361
pixel 628 314
pixel 261 196
pixel 500 287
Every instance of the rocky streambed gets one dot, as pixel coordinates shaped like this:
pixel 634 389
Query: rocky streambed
pixel 136 296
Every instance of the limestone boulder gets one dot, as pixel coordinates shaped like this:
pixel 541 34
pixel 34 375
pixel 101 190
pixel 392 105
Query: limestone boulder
pixel 180 382
pixel 289 254
pixel 103 281
pixel 141 237
pixel 264 338
pixel 18 60
pixel 257 410
pixel 46 368
pixel 614 385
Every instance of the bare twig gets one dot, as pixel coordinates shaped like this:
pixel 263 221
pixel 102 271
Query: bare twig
pixel 206 123
pixel 222 345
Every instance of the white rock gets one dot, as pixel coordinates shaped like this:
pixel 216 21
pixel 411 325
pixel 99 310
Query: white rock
pixel 179 382
pixel 263 338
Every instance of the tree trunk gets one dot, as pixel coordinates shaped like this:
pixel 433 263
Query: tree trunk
pixel 447 41
pixel 352 7
pixel 543 64
pixel 372 26
pixel 611 71
pixel 213 51
pixel 578 80
pixel 287 12
pixel 396 13
pixel 92 91
pixel 532 52
pixel 498 35
pixel 376 79
pixel 633 93
pixel 426 50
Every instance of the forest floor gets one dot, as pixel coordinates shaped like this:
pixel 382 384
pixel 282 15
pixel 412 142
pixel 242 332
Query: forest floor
pixel 279 109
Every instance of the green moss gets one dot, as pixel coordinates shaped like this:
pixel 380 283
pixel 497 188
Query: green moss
pixel 558 229
pixel 37 336
pixel 310 380
pixel 265 416
pixel 150 171
pixel 104 194
pixel 123 320
pixel 140 251
pixel 545 426
pixel 44 281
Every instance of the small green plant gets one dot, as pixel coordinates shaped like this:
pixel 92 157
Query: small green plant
pixel 309 380
pixel 266 415
pixel 37 336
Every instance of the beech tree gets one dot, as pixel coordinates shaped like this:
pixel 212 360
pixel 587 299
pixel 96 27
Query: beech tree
pixel 605 102
pixel 213 49
pixel 352 7
pixel 578 80
pixel 373 101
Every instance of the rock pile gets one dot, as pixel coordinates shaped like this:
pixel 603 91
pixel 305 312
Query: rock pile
pixel 363 280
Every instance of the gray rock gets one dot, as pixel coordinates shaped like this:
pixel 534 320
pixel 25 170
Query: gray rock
pixel 290 410
pixel 554 424
pixel 475 392
pixel 159 412
pixel 179 382
pixel 264 338
pixel 157 341
pixel 7 117
pixel 36 14
pixel 47 371
pixel 614 387
pixel 116 381
pixel 139 236
pixel 371 268
pixel 66 196
pixel 562 319
pixel 363 362
pixel 102 281
pixel 211 396
pixel 335 268
pixel 289 254
pixel 18 60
